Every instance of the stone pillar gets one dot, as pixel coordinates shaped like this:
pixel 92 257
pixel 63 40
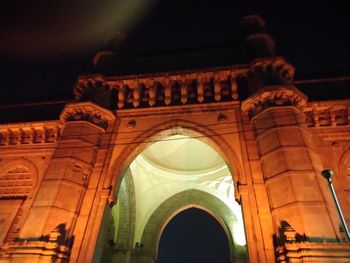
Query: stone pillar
pixel 304 215
pixel 56 207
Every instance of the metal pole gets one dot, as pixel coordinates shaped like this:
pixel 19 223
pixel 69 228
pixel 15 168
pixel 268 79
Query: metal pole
pixel 328 175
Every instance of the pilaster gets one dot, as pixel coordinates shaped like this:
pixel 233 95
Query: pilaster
pixel 48 231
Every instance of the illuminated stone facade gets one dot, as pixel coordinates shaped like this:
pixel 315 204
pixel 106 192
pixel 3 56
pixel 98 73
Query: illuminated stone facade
pixel 73 189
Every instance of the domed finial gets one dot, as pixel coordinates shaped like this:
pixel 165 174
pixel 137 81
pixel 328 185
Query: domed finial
pixel 256 43
pixel 252 24
pixel 114 41
pixel 110 58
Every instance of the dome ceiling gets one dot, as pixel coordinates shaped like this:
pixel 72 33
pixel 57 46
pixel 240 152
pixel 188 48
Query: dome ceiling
pixel 177 164
pixel 181 153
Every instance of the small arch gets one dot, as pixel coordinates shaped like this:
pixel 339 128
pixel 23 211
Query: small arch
pixel 186 207
pixel 20 176
pixel 180 202
pixel 18 181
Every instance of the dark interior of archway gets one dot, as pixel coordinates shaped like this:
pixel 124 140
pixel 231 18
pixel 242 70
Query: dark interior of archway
pixel 193 236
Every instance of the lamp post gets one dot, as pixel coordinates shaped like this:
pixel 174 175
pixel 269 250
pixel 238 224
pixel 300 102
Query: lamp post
pixel 328 175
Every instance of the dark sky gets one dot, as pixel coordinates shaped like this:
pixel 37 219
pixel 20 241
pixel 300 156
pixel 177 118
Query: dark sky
pixel 45 45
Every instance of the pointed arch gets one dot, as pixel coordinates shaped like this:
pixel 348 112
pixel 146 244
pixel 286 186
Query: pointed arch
pixel 180 202
pixel 166 129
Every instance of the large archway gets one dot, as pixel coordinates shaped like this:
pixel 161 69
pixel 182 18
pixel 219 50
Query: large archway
pixel 130 148
pixel 165 172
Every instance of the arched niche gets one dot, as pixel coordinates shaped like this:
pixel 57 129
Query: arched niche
pixel 22 175
pixel 18 182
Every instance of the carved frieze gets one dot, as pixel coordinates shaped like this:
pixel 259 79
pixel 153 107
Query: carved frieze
pixel 166 89
pixel 328 114
pixel 29 133
pixel 176 88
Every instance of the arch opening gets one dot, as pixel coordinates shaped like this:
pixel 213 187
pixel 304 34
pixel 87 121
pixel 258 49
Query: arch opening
pixel 199 236
pixel 176 165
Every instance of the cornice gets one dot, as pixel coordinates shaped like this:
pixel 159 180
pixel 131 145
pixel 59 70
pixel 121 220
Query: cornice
pixel 87 111
pixel 271 96
pixel 181 87
pixel 328 113
pixel 28 133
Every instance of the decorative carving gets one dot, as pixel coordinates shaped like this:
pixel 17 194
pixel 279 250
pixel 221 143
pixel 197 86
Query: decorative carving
pixel 271 96
pixel 268 72
pixel 131 124
pixel 87 111
pixel 222 117
pixel 95 90
pixel 167 88
pixel 327 114
pixel 16 182
pixel 54 245
pixel 29 133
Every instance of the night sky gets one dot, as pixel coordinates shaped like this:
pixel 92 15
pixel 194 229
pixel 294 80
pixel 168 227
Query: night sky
pixel 45 45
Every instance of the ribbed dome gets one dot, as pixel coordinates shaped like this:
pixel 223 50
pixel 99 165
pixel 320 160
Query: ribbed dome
pixel 181 153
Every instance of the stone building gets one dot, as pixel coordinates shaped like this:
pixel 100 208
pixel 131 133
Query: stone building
pixel 242 142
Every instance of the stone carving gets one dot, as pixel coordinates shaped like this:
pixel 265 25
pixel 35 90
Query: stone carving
pixel 163 89
pixel 268 72
pixel 55 245
pixel 30 133
pixel 176 88
pixel 327 114
pixel 16 182
pixel 131 124
pixel 256 43
pixel 87 111
pixel 271 96
pixel 96 91
pixel 222 117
